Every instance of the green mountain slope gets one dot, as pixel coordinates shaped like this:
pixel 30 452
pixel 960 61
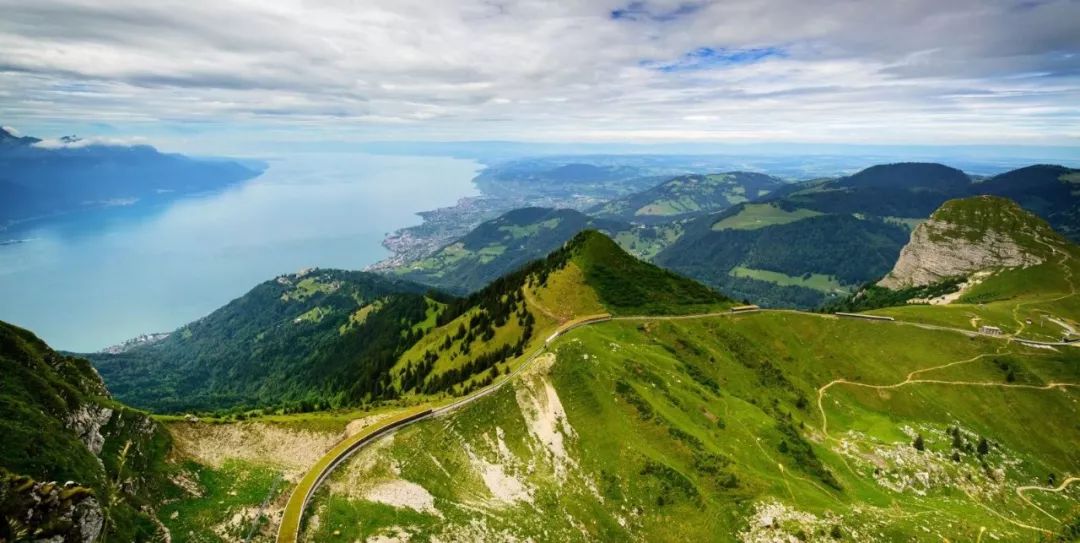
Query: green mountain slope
pixel 74 464
pixel 888 201
pixel 771 426
pixel 794 259
pixel 315 338
pixel 589 275
pixel 983 262
pixel 328 338
pixel 688 195
pixel 1052 192
pixel 910 189
pixel 762 427
pixel 500 246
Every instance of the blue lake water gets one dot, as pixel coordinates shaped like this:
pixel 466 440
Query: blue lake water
pixel 91 280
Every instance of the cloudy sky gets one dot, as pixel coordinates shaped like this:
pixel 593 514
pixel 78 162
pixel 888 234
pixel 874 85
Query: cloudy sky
pixel 913 71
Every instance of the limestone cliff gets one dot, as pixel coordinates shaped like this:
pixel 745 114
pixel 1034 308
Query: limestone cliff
pixel 969 235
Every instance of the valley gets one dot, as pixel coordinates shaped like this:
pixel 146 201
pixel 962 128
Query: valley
pixel 590 395
pixel 474 271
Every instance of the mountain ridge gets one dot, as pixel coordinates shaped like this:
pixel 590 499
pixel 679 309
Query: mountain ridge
pixel 970 235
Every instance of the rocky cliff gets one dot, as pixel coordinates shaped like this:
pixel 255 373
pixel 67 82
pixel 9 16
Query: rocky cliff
pixel 969 235
pixel 75 465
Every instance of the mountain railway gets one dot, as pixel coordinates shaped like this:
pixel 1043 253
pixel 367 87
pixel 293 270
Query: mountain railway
pixel 289 529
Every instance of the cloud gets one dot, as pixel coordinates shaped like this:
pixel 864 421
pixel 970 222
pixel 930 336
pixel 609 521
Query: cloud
pixel 72 142
pixel 915 71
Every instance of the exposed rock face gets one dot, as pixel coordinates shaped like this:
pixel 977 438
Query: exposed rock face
pixel 87 421
pixel 967 236
pixel 50 512
pixel 925 261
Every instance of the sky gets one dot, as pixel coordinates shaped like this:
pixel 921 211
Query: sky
pixel 226 75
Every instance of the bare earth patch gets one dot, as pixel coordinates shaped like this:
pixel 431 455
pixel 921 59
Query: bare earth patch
pixel 402 493
pixel 294 451
pixel 504 487
pixel 545 416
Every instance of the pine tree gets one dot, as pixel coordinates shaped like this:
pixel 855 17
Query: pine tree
pixel 919 444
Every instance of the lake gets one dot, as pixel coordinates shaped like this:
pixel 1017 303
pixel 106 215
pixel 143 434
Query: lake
pixel 87 281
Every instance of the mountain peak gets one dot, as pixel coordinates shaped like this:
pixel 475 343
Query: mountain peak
pixel 627 285
pixel 8 136
pixel 968 235
pixel 907 174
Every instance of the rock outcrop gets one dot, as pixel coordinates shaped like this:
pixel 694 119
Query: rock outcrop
pixel 37 511
pixel 87 421
pixel 970 235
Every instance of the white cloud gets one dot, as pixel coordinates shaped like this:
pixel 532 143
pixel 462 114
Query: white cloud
pixel 917 71
pixel 77 143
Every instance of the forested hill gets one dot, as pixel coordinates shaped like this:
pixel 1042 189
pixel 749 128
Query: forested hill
pixel 317 338
pixel 500 246
pixel 810 243
pixel 688 195
pixel 74 464
pixel 330 338
pixel 494 328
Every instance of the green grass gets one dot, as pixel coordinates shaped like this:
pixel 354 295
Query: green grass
pixel 755 216
pixel 677 432
pixel 522 231
pixel 1009 299
pixel 816 281
pixel 647 242
pixel 237 488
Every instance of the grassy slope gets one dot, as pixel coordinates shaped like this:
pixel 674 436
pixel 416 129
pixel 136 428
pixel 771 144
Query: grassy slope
pixel 688 195
pixel 1009 298
pixel 754 216
pixel 590 275
pixel 41 392
pixel 675 430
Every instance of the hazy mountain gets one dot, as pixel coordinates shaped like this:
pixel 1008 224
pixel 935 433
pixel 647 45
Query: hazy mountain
pixel 38 180
pixel 688 195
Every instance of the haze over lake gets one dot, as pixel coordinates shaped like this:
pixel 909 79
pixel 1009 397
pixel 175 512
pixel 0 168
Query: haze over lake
pixel 117 273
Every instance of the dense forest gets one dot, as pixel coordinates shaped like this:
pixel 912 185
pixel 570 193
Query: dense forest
pixel 317 339
pixel 849 249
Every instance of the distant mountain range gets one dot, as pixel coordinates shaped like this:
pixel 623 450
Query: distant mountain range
pixel 688 195
pixel 755 237
pixel 38 180
pixel 639 403
pixel 810 242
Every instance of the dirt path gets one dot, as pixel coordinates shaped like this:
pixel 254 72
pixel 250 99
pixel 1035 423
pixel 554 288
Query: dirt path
pixel 1020 490
pixel 911 380
pixel 1066 271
